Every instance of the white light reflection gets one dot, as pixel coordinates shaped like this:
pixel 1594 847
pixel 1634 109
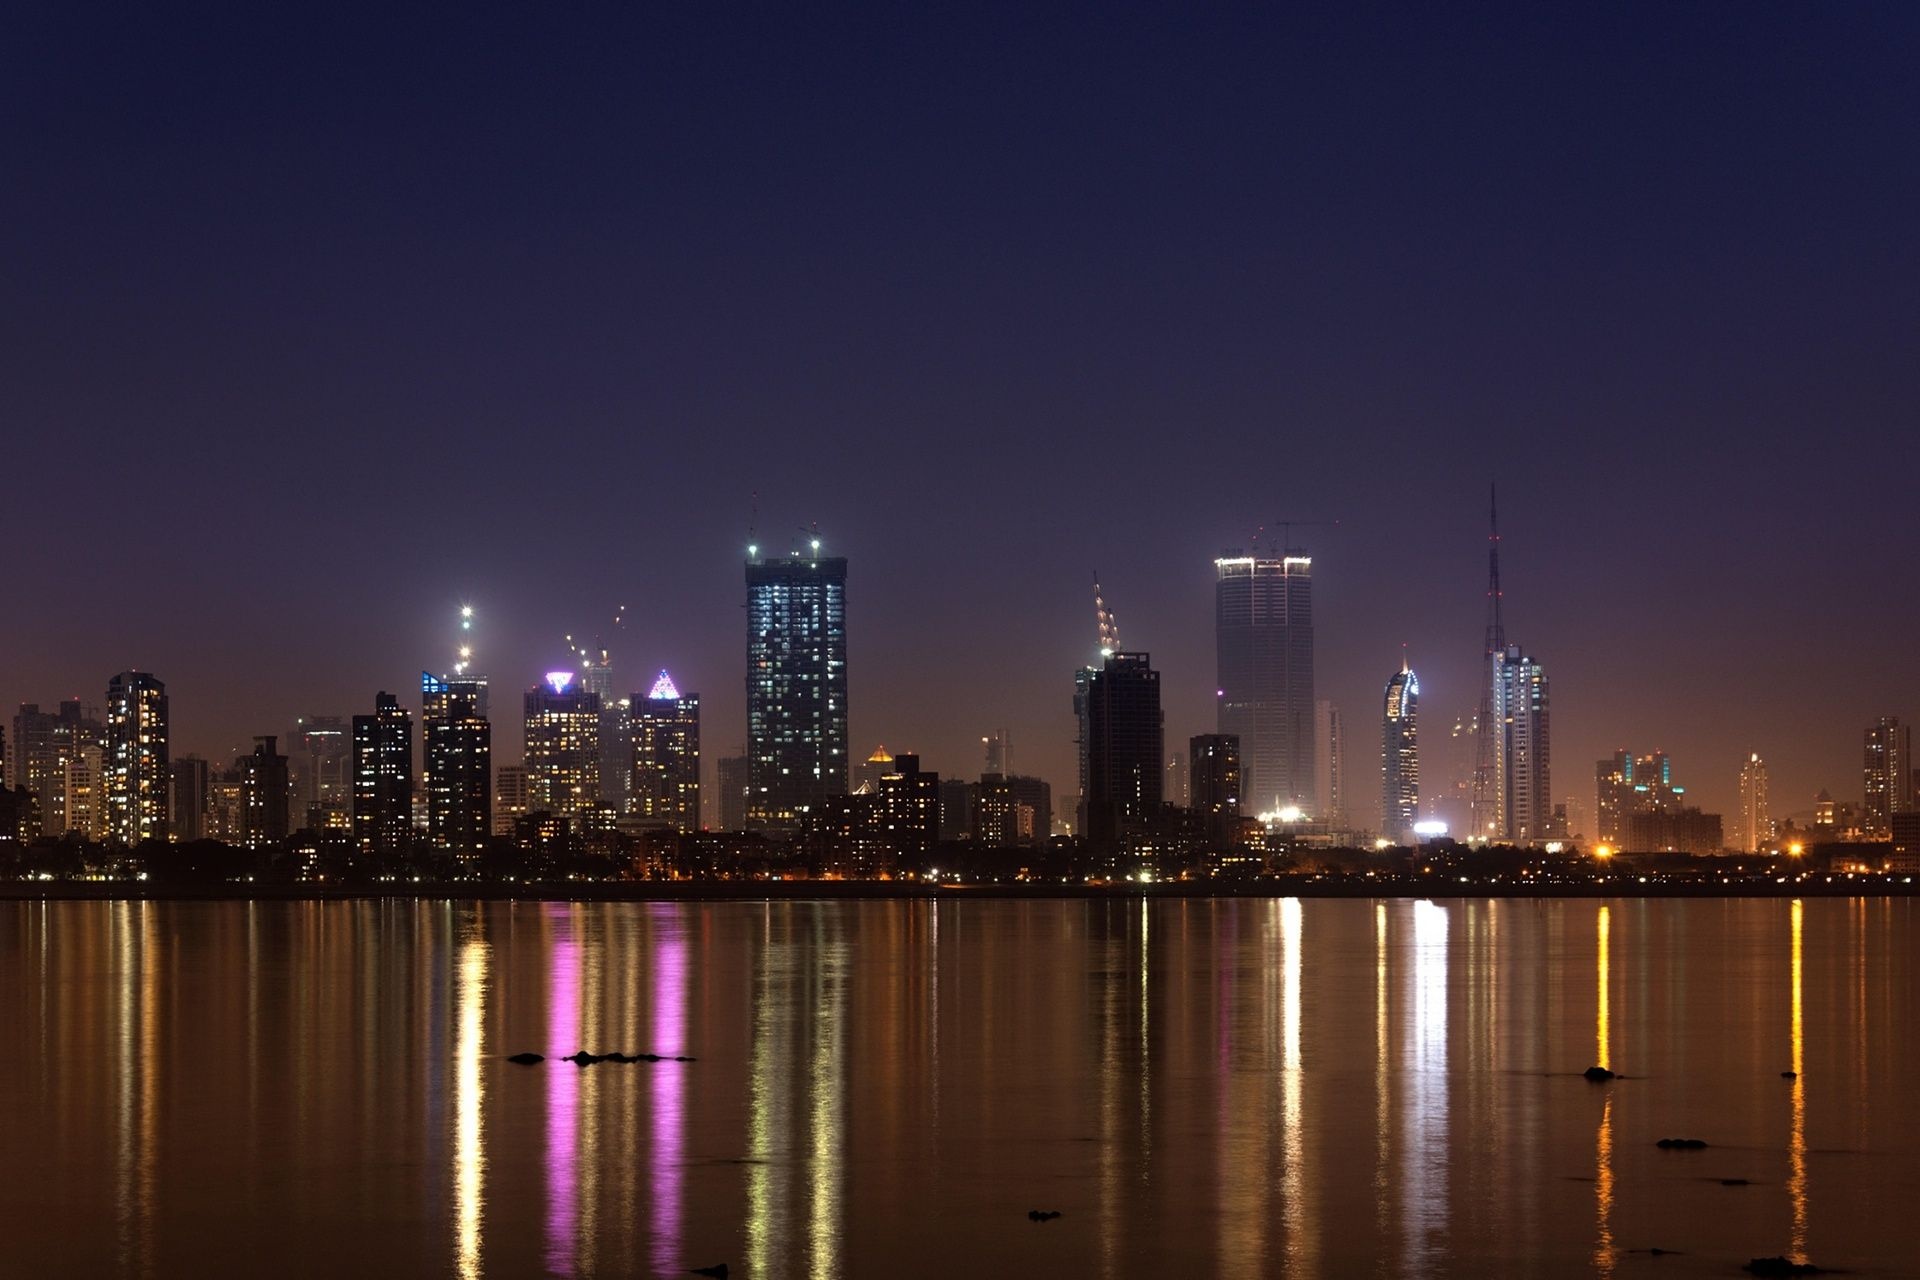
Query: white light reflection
pixel 469 1156
pixel 1298 1212
pixel 1424 1208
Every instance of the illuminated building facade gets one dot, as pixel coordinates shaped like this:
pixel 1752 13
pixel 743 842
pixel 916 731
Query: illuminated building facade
pixel 867 774
pixel 1522 754
pixel 458 750
pixel 1125 749
pixel 563 747
pixel 84 791
pixel 1626 784
pixel 138 776
pixel 907 812
pixel 383 777
pixel 264 791
pixel 1888 774
pixel 1263 635
pixel 1005 810
pixel 43 744
pixel 1214 785
pixel 1756 820
pixel 664 783
pixel 796 685
pixel 1400 756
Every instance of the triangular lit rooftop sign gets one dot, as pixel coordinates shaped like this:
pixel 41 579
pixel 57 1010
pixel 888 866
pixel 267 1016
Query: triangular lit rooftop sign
pixel 663 689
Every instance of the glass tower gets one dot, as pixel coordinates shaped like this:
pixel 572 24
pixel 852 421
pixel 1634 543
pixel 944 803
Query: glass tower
pixel 1263 634
pixel 1521 748
pixel 1400 756
pixel 796 685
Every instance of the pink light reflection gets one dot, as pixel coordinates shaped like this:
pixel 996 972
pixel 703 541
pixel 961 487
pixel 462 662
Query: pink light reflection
pixel 669 1082
pixel 563 1093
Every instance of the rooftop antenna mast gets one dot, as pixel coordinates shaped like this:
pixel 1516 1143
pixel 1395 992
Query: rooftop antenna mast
pixel 1486 792
pixel 1109 629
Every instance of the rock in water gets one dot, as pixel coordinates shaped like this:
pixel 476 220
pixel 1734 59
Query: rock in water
pixel 718 1271
pixel 1681 1144
pixel 1042 1215
pixel 527 1059
pixel 1778 1266
pixel 1597 1074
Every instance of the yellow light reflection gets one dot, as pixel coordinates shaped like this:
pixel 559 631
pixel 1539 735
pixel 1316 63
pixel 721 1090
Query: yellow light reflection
pixel 1601 1028
pixel 1382 1117
pixel 469 1157
pixel 1797 1141
pixel 1603 1140
pixel 828 1102
pixel 1295 1186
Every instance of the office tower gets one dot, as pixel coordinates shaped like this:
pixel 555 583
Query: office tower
pixel 1005 810
pixel 509 798
pixel 908 810
pixel 867 774
pixel 1400 756
pixel 1124 749
pixel 1214 783
pixel 320 764
pixel 264 792
pixel 383 777
pixel 730 776
pixel 1263 638
pixel 1329 765
pixel 190 787
pixel 138 777
pixel 796 684
pixel 563 747
pixel 1522 751
pixel 664 728
pixel 1755 820
pixel 1888 774
pixel 458 748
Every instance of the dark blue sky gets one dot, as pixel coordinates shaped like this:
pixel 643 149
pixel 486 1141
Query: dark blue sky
pixel 319 322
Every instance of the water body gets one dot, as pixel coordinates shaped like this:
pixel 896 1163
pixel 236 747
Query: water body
pixel 1199 1087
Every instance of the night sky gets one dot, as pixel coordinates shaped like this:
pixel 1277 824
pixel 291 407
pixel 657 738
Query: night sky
pixel 321 322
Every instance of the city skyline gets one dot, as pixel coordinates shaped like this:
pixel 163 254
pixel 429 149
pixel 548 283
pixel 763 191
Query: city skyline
pixel 1008 326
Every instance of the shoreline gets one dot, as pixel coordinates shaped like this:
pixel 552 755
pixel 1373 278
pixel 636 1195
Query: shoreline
pixel 862 890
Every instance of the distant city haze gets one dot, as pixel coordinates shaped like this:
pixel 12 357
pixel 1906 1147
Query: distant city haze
pixel 314 339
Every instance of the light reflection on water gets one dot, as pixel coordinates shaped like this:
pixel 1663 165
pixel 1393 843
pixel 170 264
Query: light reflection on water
pixel 1242 1087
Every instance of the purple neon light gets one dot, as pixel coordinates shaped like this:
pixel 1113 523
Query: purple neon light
pixel 663 688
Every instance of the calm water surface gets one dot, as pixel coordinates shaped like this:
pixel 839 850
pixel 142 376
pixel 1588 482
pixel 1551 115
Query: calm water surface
pixel 887 1087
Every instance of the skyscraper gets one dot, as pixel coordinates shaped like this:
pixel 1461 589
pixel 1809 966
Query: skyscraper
pixel 138 777
pixel 1214 784
pixel 1626 785
pixel 190 784
pixel 1888 774
pixel 1329 765
pixel 509 798
pixel 459 763
pixel 264 791
pixel 664 728
pixel 43 743
pixel 1488 808
pixel 796 684
pixel 1755 820
pixel 1124 749
pixel 563 747
pixel 1521 749
pixel 383 777
pixel 1400 755
pixel 907 810
pixel 730 776
pixel 320 761
pixel 1263 636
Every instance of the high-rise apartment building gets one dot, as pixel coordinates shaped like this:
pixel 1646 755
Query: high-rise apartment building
pixel 1888 774
pixel 44 742
pixel 1214 784
pixel 458 749
pixel 383 777
pixel 907 810
pixel 509 798
pixel 1626 784
pixel 138 775
pixel 265 789
pixel 563 747
pixel 796 685
pixel 664 772
pixel 191 783
pixel 1124 749
pixel 1522 755
pixel 84 791
pixel 1263 635
pixel 1755 821
pixel 1400 755
pixel 1329 765
pixel 999 811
